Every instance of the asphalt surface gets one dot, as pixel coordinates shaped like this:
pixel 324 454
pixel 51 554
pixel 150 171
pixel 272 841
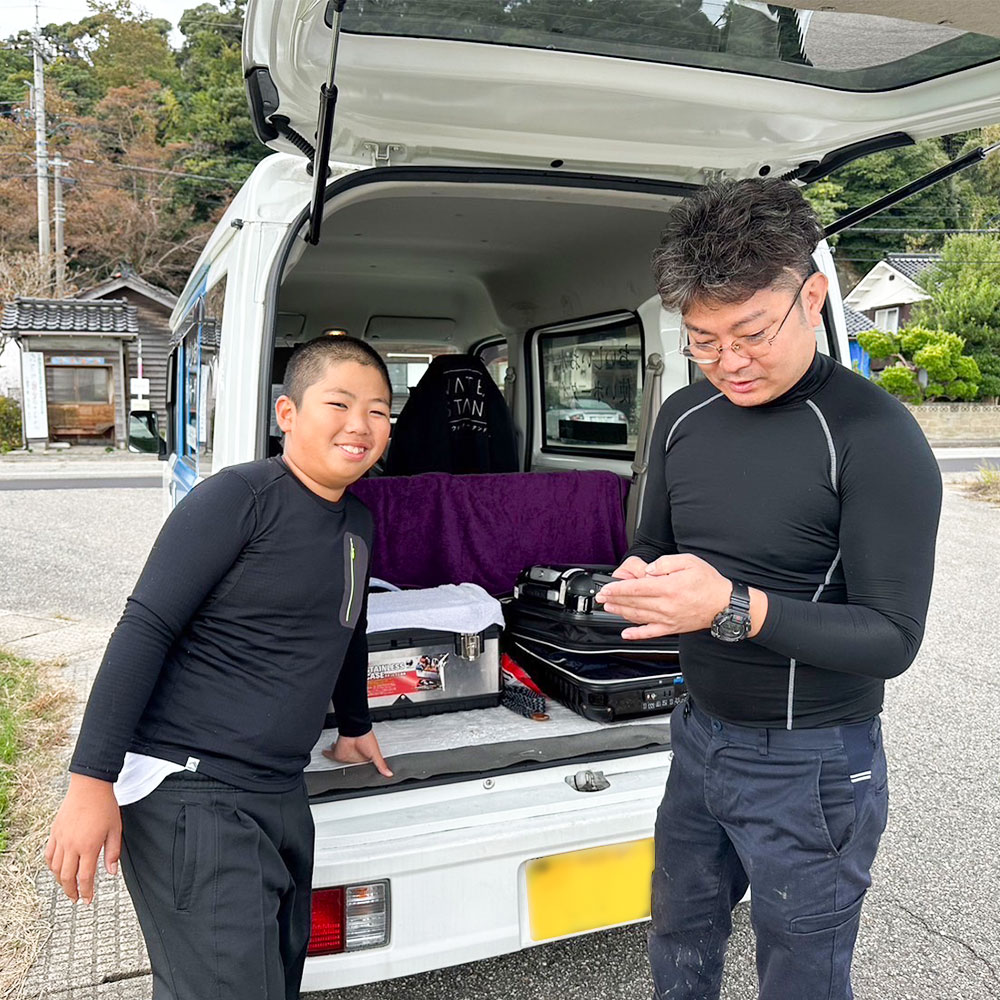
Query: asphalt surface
pixel 83 483
pixel 931 925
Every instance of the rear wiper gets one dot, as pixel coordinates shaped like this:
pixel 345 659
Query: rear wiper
pixel 908 190
pixel 324 124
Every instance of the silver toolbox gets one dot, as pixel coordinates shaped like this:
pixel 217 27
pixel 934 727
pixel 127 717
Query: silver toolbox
pixel 421 672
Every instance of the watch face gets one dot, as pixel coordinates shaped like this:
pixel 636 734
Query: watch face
pixel 730 628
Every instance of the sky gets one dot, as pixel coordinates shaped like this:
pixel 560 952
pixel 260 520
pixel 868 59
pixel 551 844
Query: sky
pixel 20 14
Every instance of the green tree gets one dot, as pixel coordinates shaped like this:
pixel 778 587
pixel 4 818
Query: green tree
pixel 10 424
pixel 915 224
pixel 213 119
pixel 949 373
pixel 965 298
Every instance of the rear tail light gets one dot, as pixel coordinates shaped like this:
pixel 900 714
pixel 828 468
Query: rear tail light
pixel 367 908
pixel 349 918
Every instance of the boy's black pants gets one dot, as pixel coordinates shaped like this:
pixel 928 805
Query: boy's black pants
pixel 221 882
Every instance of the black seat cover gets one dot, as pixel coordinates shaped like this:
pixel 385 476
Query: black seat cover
pixel 456 420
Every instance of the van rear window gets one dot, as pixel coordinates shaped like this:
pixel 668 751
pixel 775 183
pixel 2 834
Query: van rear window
pixel 857 52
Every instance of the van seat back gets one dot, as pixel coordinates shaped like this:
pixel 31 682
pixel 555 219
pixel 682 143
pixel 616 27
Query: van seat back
pixel 437 528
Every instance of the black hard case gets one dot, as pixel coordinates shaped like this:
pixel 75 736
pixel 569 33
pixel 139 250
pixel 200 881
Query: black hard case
pixel 574 650
pixel 602 688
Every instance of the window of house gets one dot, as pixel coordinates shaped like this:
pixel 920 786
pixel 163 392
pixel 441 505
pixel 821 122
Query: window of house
pixel 78 384
pixel 592 386
pixel 887 320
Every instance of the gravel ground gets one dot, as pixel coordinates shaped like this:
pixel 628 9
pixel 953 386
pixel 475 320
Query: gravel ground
pixel 931 926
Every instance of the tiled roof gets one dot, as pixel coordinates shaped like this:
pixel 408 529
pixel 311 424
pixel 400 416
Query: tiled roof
pixel 912 265
pixel 113 316
pixel 856 322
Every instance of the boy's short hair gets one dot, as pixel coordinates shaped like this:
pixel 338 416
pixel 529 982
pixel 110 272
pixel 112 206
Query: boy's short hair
pixel 309 362
pixel 731 239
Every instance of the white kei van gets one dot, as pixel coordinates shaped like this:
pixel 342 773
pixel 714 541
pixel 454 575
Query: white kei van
pixel 511 166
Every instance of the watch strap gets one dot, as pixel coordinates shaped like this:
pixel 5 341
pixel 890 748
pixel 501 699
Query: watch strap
pixel 740 599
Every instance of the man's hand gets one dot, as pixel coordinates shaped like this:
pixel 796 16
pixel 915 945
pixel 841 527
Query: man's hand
pixel 358 750
pixel 678 593
pixel 87 820
pixel 632 569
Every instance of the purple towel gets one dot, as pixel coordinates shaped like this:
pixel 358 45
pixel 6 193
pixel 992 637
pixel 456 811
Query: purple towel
pixel 438 528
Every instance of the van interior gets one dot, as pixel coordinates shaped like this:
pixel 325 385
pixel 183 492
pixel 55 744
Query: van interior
pixel 544 276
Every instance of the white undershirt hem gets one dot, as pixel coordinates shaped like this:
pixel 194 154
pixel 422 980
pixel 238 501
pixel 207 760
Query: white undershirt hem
pixel 140 775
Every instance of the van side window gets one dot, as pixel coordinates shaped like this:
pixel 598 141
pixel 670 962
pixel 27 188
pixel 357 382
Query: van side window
pixel 406 364
pixel 211 341
pixel 201 342
pixel 192 358
pixel 495 356
pixel 592 387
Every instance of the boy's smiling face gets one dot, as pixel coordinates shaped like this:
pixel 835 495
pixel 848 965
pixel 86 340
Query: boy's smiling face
pixel 340 429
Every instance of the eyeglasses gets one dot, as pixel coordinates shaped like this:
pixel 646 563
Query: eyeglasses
pixel 755 345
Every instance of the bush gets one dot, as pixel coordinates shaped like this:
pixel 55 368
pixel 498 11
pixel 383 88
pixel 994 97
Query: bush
pixel 10 424
pixel 901 382
pixel 949 373
pixel 879 345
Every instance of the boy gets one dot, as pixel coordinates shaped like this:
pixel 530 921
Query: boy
pixel 250 611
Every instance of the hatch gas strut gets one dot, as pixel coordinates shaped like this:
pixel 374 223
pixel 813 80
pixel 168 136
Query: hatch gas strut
pixel 908 190
pixel 324 125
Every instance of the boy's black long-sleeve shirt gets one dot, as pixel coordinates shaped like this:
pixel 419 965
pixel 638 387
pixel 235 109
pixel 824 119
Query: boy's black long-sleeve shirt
pixel 828 500
pixel 249 614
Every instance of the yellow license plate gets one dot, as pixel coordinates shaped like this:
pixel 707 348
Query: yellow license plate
pixel 587 890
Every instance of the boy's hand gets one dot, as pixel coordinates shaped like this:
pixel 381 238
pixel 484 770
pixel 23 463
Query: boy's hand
pixel 359 750
pixel 88 820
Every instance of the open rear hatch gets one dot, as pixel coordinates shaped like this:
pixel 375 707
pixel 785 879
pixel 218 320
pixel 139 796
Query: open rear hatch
pixel 678 91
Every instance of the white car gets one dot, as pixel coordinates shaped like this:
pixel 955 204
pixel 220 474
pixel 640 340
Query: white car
pixel 584 420
pixel 524 156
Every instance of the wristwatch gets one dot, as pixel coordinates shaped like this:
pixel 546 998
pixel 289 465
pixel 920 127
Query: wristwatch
pixel 733 624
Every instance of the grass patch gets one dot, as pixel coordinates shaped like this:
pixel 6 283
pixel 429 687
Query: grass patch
pixel 18 688
pixel 35 714
pixel 986 485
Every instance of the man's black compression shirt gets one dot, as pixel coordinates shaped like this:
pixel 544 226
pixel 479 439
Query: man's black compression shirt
pixel 828 500
pixel 249 614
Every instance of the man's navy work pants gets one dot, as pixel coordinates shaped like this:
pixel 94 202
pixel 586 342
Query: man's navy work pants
pixel 221 880
pixel 796 814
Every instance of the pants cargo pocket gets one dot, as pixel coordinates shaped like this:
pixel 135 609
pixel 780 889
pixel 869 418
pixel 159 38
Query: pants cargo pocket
pixel 814 923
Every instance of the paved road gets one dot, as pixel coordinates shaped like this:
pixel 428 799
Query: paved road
pixel 964 464
pixel 931 927
pixel 82 483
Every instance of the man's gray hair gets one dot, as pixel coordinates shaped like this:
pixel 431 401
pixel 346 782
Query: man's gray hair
pixel 731 239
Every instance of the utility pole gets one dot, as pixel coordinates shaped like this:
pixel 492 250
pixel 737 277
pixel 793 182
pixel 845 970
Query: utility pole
pixel 41 152
pixel 60 219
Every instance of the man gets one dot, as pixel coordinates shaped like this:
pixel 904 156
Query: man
pixel 250 611
pixel 787 535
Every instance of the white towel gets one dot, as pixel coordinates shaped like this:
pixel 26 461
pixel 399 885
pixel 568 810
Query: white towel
pixel 461 608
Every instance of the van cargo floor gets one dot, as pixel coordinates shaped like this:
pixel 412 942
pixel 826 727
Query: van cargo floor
pixel 458 744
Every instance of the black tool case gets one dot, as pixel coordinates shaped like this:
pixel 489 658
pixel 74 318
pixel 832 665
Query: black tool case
pixel 602 688
pixel 555 606
pixel 573 649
